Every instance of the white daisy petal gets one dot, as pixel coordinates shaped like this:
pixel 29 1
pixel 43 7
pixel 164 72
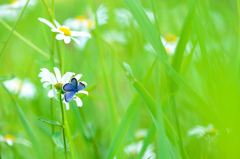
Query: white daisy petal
pixel 9 142
pixel 47 22
pixel 85 83
pixel 66 77
pixel 46 84
pixel 56 30
pixel 76 40
pixel 84 92
pixel 50 93
pixel 67 39
pixel 78 101
pixel 80 33
pixel 78 76
pixel 60 36
pixel 57 24
pixel 58 74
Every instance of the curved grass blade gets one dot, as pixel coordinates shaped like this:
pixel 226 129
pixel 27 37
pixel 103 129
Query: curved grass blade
pixel 150 103
pixel 25 40
pixel 10 34
pixel 127 118
pixel 146 26
pixel 26 125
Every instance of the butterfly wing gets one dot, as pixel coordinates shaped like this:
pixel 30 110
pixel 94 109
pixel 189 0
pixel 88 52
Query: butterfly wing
pixel 74 82
pixel 68 96
pixel 81 86
pixel 68 87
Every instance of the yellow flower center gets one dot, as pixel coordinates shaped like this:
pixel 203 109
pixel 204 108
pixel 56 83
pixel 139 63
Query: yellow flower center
pixel 9 137
pixel 80 18
pixel 12 2
pixel 58 87
pixel 66 31
pixel 167 50
pixel 90 24
pixel 170 38
pixel 211 132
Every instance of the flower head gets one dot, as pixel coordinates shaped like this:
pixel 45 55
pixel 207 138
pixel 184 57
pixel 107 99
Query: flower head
pixel 133 149
pixel 82 22
pixel 201 131
pixel 64 33
pixel 10 11
pixel 87 23
pixel 57 81
pixel 25 88
pixel 10 140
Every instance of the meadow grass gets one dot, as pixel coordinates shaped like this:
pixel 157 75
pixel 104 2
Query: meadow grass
pixel 184 103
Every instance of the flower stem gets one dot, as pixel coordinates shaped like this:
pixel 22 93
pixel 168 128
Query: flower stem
pixel 62 61
pixel 63 123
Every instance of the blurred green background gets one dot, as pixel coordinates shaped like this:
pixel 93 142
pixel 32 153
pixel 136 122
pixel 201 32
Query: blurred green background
pixel 197 85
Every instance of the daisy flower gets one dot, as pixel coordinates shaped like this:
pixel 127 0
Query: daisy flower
pixel 72 90
pixel 201 131
pixel 25 88
pixel 64 33
pixel 10 11
pixel 87 23
pixel 57 81
pixel 11 140
pixel 133 149
pixel 115 36
pixel 169 42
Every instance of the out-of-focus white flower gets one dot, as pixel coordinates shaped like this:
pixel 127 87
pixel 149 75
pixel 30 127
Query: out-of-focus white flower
pixel 64 32
pixel 115 36
pixel 125 19
pixel 57 81
pixel 11 10
pixel 134 148
pixel 11 140
pixel 169 42
pixel 201 131
pixel 85 23
pixel 73 89
pixel 25 88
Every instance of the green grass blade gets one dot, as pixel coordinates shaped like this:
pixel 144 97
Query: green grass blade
pixel 127 118
pixel 150 103
pixel 147 140
pixel 146 26
pixel 10 34
pixel 29 43
pixel 26 125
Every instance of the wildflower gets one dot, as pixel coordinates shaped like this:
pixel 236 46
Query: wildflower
pixel 10 140
pixel 73 88
pixel 64 33
pixel 57 81
pixel 133 149
pixel 115 36
pixel 88 23
pixel 169 42
pixel 201 131
pixel 25 88
pixel 10 11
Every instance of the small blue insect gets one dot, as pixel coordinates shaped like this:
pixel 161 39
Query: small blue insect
pixel 72 88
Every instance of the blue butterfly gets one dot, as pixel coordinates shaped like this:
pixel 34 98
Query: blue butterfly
pixel 72 88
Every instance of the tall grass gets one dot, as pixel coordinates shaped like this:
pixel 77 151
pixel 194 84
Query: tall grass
pixel 130 88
